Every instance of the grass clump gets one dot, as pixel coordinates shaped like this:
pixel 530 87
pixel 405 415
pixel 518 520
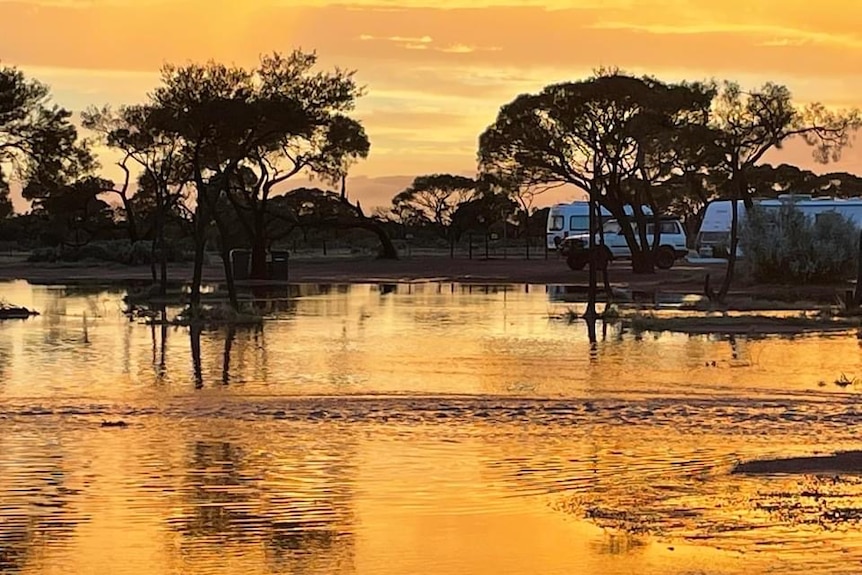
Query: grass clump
pixel 218 315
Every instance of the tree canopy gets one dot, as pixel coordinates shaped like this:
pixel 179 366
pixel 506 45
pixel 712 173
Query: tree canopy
pixel 599 134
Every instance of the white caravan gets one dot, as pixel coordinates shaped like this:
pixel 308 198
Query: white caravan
pixel 566 220
pixel 715 227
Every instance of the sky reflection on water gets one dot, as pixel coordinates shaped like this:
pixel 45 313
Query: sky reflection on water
pixel 432 428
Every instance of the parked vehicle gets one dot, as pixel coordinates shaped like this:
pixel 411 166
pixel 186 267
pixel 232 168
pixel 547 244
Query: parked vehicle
pixel 566 220
pixel 672 244
pixel 713 238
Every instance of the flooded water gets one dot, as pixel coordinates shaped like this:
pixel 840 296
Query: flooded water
pixel 417 428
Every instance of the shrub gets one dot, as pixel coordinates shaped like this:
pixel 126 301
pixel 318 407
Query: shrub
pixel 116 251
pixel 786 245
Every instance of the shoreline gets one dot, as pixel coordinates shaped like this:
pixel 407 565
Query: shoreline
pixel 685 278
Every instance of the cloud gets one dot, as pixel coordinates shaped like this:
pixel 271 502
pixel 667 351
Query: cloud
pixel 425 43
pixel 437 71
pixel 787 35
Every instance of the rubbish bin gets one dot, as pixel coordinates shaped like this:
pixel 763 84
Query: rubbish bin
pixel 277 265
pixel 240 264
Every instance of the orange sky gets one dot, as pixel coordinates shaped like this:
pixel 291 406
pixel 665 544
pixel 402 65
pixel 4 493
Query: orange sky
pixel 437 71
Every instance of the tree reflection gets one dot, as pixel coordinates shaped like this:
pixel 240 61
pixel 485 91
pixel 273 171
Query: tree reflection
pixel 35 509
pixel 228 345
pixel 197 367
pixel 296 505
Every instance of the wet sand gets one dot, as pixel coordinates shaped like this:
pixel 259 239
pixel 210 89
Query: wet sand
pixel 841 462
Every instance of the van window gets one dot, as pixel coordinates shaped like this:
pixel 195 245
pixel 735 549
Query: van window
pixel 611 227
pixel 557 223
pixel 665 227
pixel 579 223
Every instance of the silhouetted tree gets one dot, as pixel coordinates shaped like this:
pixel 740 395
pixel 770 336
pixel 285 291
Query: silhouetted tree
pixel 38 142
pixel 6 208
pixel 304 110
pixel 162 170
pixel 597 134
pixel 523 194
pixel 313 208
pixel 434 199
pixel 747 125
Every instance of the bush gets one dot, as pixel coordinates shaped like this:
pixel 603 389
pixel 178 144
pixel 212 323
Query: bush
pixel 786 245
pixel 115 251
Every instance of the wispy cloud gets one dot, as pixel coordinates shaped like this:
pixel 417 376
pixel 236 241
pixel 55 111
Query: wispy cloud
pixel 426 43
pixel 785 35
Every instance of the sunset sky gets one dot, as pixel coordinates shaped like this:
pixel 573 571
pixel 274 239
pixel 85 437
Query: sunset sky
pixel 437 71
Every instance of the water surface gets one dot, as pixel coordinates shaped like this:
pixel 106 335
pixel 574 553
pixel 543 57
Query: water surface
pixel 434 428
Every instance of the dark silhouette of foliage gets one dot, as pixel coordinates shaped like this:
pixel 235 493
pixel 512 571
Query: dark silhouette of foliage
pixel 38 142
pixel 433 200
pixel 747 125
pixel 599 134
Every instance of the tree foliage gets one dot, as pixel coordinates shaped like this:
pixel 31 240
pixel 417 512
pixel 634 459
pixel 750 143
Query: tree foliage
pixel 435 198
pixel 614 136
pixel 745 125
pixel 38 142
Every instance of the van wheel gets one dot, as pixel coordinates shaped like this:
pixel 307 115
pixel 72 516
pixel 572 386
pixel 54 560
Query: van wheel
pixel 577 260
pixel 665 257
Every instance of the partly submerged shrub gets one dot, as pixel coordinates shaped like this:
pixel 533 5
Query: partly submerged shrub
pixel 219 315
pixel 786 245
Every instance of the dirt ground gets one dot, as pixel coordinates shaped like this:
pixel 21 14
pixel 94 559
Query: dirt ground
pixel 684 277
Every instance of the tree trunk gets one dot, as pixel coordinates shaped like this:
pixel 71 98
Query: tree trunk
pixel 160 236
pixel 643 262
pixel 197 274
pixel 225 257
pixel 590 313
pixel 131 223
pixel 857 295
pixel 387 248
pixel 258 246
pixel 731 256
pixel 228 274
pixel 200 251
pixel 258 257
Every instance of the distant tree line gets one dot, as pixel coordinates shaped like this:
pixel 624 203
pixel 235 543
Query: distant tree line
pixel 208 159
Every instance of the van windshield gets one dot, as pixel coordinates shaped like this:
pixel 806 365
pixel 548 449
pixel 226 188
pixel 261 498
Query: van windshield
pixel 556 224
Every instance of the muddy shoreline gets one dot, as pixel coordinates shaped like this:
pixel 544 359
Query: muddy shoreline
pixel 684 278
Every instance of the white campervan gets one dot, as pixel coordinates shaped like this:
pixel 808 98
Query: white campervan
pixel 566 220
pixel 713 238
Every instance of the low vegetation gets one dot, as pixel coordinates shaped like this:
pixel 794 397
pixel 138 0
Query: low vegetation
pixel 786 246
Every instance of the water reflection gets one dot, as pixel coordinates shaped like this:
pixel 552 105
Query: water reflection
pixel 35 499
pixel 403 428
